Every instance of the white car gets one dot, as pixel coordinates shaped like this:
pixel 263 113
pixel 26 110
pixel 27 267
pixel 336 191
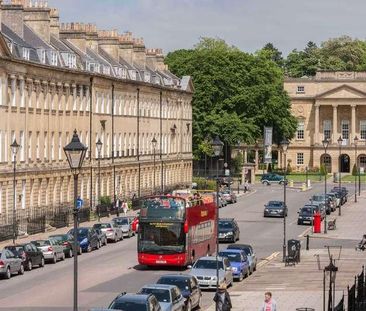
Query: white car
pixel 112 231
pixel 52 250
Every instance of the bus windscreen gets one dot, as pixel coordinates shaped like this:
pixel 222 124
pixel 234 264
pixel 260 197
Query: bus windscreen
pixel 162 208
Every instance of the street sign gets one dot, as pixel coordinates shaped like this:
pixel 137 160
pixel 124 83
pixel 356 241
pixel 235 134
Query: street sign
pixel 227 172
pixel 79 203
pixel 225 165
pixel 268 131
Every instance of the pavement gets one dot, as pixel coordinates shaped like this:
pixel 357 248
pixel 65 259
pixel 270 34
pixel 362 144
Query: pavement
pixel 301 286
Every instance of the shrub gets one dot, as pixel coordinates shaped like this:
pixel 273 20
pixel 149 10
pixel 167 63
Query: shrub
pixel 289 168
pixel 354 170
pixel 204 184
pixel 323 170
pixel 105 200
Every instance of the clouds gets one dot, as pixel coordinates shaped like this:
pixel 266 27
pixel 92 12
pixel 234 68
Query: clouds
pixel 247 24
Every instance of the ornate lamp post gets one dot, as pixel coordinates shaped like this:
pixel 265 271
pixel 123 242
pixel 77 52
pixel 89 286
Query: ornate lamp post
pixel 325 146
pixel 355 140
pixel 340 140
pixel 284 145
pixel 332 270
pixel 154 142
pixel 217 146
pixel 99 149
pixel 75 153
pixel 14 150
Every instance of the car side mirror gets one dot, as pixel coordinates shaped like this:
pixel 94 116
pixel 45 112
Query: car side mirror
pixel 189 267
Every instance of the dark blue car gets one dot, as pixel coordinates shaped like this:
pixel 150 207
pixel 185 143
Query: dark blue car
pixel 88 239
pixel 239 262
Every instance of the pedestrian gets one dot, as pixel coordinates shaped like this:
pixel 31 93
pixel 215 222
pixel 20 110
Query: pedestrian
pixel 124 207
pixel 222 299
pixel 246 186
pixel 269 303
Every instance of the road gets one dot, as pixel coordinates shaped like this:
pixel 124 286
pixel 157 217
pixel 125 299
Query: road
pixel 113 269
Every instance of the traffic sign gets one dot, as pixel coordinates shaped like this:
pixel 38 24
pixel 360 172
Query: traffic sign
pixel 79 203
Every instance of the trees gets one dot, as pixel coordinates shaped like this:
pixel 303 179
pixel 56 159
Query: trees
pixel 236 93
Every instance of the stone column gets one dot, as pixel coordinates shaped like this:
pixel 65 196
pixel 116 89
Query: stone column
pixel 256 159
pixel 280 164
pixel 335 124
pixel 353 122
pixel 316 133
pixel 245 155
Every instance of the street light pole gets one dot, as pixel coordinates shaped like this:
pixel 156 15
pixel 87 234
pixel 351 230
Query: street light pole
pixel 75 153
pixel 284 145
pixel 14 149
pixel 325 145
pixel 355 142
pixel 340 141
pixel 99 149
pixel 154 142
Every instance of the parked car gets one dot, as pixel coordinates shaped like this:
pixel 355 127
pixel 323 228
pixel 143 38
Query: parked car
pixel 51 249
pixel 204 269
pixel 31 256
pixel 275 209
pixel 102 236
pixel 67 241
pixel 87 237
pixel 228 230
pixel 229 196
pixel 188 285
pixel 343 192
pixel 113 231
pixel 321 198
pixel 306 215
pixel 338 198
pixel 125 224
pixel 135 302
pixel 249 251
pixel 333 201
pixel 135 224
pixel 271 178
pixel 169 296
pixel 10 264
pixel 239 262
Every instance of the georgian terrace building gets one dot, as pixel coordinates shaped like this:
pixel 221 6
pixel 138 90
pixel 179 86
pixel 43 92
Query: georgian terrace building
pixel 329 105
pixel 56 78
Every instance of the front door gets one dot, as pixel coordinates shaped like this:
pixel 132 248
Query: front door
pixel 345 163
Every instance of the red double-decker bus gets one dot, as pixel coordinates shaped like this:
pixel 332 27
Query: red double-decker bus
pixel 174 231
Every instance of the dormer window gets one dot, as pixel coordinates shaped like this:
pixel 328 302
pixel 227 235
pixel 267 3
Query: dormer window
pixel 123 73
pixel 106 70
pixel 26 53
pixel 300 89
pixel 71 60
pixel 147 76
pixel 168 81
pixel 53 58
pixel 42 56
pixel 133 74
pixel 156 80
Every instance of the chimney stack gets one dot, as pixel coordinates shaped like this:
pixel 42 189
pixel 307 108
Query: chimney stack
pixel 139 53
pixel 12 16
pixel 125 50
pixel 108 41
pixel 155 59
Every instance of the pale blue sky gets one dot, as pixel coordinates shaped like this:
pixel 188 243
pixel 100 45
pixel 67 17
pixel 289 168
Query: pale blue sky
pixel 247 24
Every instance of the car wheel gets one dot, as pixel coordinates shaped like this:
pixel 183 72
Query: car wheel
pixel 63 256
pixel 21 270
pixel 98 245
pixel 241 276
pixel 54 260
pixel 115 239
pixel 42 263
pixel 7 273
pixel 189 306
pixel 70 253
pixel 89 248
pixel 29 265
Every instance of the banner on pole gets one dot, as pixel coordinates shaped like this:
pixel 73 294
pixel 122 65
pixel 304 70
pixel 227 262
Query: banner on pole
pixel 268 131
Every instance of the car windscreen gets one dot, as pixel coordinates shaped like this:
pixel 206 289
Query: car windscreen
pixel 307 210
pixel 225 225
pixel 128 305
pixel 245 249
pixel 41 243
pixel 181 283
pixel 234 257
pixel 102 226
pixel 318 197
pixel 162 295
pixel 59 238
pixel 207 264
pixel 121 221
pixel 274 204
pixel 15 249
pixel 82 232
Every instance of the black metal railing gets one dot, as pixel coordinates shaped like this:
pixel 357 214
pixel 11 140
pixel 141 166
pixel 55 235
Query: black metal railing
pixel 357 293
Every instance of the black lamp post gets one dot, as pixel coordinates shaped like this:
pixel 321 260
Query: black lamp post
pixel 340 141
pixel 99 149
pixel 355 140
pixel 154 142
pixel 325 145
pixel 75 153
pixel 217 146
pixel 332 270
pixel 284 145
pixel 14 150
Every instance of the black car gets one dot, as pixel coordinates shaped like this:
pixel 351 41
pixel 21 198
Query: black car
pixel 343 193
pixel 31 256
pixel 275 209
pixel 135 302
pixel 188 286
pixel 306 215
pixel 228 230
pixel 67 241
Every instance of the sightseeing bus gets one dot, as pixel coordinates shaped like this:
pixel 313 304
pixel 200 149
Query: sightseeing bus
pixel 175 231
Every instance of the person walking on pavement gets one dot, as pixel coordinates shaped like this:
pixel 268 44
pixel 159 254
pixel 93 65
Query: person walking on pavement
pixel 222 299
pixel 269 303
pixel 124 207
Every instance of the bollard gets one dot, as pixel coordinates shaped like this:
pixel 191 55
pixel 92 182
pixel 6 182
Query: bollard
pixel 303 187
pixel 307 242
pixel 291 183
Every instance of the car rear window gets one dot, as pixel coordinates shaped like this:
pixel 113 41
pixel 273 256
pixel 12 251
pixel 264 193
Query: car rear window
pixel 129 305
pixel 181 283
pixel 162 295
pixel 41 243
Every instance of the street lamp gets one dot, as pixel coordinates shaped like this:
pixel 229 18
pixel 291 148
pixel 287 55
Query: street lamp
pixel 332 270
pixel 14 150
pixel 284 145
pixel 217 146
pixel 355 140
pixel 325 145
pixel 154 142
pixel 99 149
pixel 75 153
pixel 340 141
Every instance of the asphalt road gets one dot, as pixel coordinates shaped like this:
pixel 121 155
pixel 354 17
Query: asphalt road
pixel 113 269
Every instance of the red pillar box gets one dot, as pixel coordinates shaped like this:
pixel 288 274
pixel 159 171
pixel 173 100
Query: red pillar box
pixel 317 223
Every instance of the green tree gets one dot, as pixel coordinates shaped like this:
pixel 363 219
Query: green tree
pixel 354 170
pixel 273 53
pixel 323 170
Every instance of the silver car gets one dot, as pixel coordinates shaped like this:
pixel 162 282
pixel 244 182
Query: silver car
pixel 204 269
pixel 126 225
pixel 10 264
pixel 52 250
pixel 112 231
pixel 169 296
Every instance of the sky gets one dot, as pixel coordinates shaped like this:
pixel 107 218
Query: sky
pixel 246 24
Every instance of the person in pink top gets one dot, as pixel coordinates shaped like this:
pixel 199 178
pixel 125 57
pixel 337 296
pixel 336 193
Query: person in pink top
pixel 269 303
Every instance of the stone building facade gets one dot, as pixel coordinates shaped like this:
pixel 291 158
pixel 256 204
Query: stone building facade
pixel 330 105
pixel 55 78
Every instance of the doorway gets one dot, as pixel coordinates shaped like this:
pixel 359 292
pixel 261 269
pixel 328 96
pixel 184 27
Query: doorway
pixel 345 163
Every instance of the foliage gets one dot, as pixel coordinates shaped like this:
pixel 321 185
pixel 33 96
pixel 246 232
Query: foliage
pixel 204 184
pixel 236 93
pixel 323 170
pixel 105 200
pixel 273 54
pixel 237 164
pixel 354 170
pixel 289 168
